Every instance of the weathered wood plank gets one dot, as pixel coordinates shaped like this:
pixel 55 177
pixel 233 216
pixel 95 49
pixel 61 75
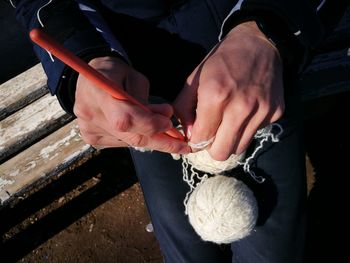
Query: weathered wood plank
pixel 50 156
pixel 24 127
pixel 22 90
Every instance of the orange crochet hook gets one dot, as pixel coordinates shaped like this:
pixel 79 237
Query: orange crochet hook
pixel 69 58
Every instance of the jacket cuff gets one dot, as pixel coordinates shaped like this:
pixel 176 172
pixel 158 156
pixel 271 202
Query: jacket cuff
pixel 297 17
pixel 66 22
pixel 293 54
pixel 293 26
pixel 87 44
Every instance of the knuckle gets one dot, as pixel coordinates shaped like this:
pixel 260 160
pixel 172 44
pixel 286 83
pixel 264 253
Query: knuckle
pixel 83 127
pixel 150 131
pixel 87 133
pixel 122 123
pixel 242 108
pixel 149 127
pixel 171 148
pixel 247 106
pixel 76 110
pixel 90 139
pixel 217 91
pixel 265 106
pixel 81 112
pixel 138 140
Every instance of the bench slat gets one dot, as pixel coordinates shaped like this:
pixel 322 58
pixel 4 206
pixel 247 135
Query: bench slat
pixel 22 90
pixel 30 124
pixel 50 156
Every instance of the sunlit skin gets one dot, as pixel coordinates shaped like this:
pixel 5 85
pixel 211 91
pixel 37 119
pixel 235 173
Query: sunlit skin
pixel 236 90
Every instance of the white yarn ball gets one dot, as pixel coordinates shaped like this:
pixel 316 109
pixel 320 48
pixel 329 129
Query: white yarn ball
pixel 202 161
pixel 222 209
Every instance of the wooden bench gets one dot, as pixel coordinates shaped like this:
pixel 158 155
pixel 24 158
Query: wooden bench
pixel 37 138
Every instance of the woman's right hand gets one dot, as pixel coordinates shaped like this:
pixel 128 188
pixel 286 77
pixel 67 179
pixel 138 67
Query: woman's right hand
pixel 106 122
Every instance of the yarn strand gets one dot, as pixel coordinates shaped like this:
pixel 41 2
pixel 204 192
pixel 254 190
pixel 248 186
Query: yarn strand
pixel 42 25
pixel 189 178
pixel 220 208
pixel 264 134
pixel 201 145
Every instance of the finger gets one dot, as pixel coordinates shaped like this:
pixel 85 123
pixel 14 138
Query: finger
pixel 164 143
pixel 125 117
pixel 230 132
pixel 277 114
pixel 260 121
pixel 98 134
pixel 93 135
pixel 209 112
pixel 102 142
pixel 158 142
pixel 248 133
pixel 185 107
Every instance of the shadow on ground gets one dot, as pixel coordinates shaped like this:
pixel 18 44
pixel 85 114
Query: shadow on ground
pixel 95 213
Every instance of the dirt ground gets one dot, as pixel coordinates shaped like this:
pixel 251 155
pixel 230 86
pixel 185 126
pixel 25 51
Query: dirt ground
pixel 92 214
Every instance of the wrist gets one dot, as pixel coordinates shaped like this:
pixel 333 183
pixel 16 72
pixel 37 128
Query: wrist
pixel 274 30
pixel 253 38
pixel 67 88
pixel 251 28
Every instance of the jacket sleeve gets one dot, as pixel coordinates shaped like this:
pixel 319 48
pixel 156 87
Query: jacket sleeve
pixel 78 26
pixel 294 26
pixel 296 16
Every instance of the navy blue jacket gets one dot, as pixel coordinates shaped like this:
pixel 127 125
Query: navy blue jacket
pixel 80 27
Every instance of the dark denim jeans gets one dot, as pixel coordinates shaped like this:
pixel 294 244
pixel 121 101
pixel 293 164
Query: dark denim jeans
pixel 166 50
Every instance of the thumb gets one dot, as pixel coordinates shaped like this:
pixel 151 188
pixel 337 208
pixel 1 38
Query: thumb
pixel 185 108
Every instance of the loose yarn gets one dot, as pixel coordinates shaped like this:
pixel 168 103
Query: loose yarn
pixel 202 161
pixel 222 209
